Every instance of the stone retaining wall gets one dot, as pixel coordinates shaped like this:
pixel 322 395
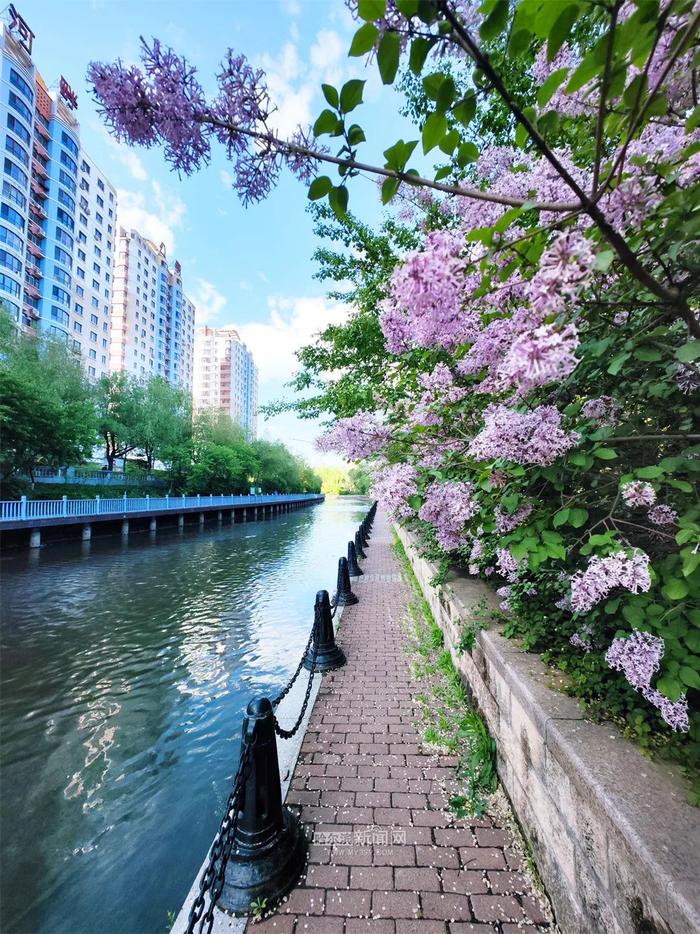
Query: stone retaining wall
pixel 616 843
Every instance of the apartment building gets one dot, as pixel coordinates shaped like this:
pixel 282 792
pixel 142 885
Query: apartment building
pixel 225 376
pixel 152 323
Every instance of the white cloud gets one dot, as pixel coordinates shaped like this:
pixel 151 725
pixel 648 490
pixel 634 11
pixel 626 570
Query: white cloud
pixel 226 179
pixel 245 285
pixel 121 152
pixel 208 302
pixel 292 323
pixel 327 55
pixel 291 7
pixel 155 216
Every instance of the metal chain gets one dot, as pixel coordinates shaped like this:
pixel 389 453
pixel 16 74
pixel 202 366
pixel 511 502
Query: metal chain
pixel 213 877
pixel 287 734
pixel 290 684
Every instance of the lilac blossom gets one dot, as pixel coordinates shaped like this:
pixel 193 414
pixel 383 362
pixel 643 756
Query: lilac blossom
pixel 603 575
pixel 638 493
pixel 506 523
pixel 506 564
pixel 533 437
pixel 356 437
pixel 687 379
pixel 544 356
pixel 662 515
pixel 448 507
pixel 638 657
pixel 604 410
pixel 425 307
pixel 564 271
pixel 570 105
pixel 505 592
pixel 393 485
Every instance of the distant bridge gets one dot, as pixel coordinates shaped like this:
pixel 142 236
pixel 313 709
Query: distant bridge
pixel 36 514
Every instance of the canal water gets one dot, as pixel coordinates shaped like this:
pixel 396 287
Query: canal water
pixel 126 668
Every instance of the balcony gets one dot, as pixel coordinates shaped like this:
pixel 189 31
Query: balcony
pixel 33 270
pixel 40 148
pixel 30 311
pixel 38 210
pixel 32 291
pixel 39 168
pixel 35 249
pixel 36 230
pixel 39 189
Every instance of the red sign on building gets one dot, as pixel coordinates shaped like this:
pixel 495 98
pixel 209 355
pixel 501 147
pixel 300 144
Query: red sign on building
pixel 18 24
pixel 68 94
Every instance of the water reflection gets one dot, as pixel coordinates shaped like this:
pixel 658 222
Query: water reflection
pixel 125 669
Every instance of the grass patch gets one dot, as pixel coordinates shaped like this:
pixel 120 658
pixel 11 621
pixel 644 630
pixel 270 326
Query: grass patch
pixel 452 724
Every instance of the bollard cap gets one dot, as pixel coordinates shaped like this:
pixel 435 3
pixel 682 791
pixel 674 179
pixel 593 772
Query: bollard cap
pixel 259 707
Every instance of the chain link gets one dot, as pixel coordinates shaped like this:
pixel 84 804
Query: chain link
pixel 201 918
pixel 290 684
pixel 287 734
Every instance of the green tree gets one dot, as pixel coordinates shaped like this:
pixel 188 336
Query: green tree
pixel 120 400
pixel 47 415
pixel 164 423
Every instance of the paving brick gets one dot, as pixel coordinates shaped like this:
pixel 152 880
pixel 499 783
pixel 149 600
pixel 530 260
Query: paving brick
pixel 507 883
pixel 419 926
pixel 446 906
pixel 327 877
pixel 303 901
pixel 369 926
pixel 496 908
pixel 395 905
pixel 277 924
pixel 319 925
pixel 348 903
pixel 437 856
pixel 417 880
pixel 464 881
pixel 491 836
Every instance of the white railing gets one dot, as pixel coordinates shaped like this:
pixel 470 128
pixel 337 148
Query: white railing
pixel 29 509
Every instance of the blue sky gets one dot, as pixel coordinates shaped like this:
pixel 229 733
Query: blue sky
pixel 251 267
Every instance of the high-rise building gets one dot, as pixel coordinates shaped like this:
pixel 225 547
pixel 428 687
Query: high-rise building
pixel 152 329
pixel 57 210
pixel 225 376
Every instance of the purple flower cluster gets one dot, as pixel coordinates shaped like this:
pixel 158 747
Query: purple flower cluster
pixel 662 515
pixel 602 575
pixel 448 507
pixel 393 485
pixel 534 437
pixel 506 523
pixel 638 493
pixel 506 564
pixel 638 657
pixel 544 356
pixel 605 410
pixel 564 271
pixel 356 437
pixel 425 307
pixel 505 592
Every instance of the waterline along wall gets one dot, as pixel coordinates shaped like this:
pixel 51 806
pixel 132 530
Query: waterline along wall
pixel 27 518
pixel 613 837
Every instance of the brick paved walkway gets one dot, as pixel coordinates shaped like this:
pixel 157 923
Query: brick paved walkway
pixel 387 857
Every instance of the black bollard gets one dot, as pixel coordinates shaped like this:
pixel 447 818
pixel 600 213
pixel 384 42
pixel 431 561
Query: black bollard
pixel 367 528
pixel 363 535
pixel 358 546
pixel 328 654
pixel 354 568
pixel 270 846
pixel 343 594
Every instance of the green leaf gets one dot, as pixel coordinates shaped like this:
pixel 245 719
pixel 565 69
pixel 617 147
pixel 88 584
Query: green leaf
pixel 693 121
pixel 419 52
pixel 371 9
pixel 648 354
pixel 388 55
pixel 605 454
pixel 675 589
pixel 326 123
pixel 495 22
pixel 415 501
pixel 465 110
pixel 578 517
pixel 561 29
pixel 398 155
pixel 689 351
pixel 434 129
pixel 389 188
pixel 356 135
pixel 338 200
pixel 648 473
pixel 364 39
pixel 560 518
pixel 545 92
pixel 466 153
pixel 351 95
pixel 603 260
pixel 670 687
pixel 319 187
pixel 330 93
pixel 618 362
pixel 689 676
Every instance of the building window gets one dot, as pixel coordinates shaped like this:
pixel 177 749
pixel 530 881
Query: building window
pixel 8 284
pixel 92 354
pixel 10 261
pixel 63 256
pixel 58 314
pixel 66 199
pixel 65 179
pixel 81 272
pixel 60 295
pixel 78 309
pixel 11 216
pixel 68 162
pixel 19 129
pixel 16 173
pixel 93 337
pixel 84 167
pixel 80 291
pixel 13 194
pixel 65 218
pixel 69 143
pixel 62 276
pixel 81 256
pixel 18 104
pixel 77 327
pixel 11 145
pixel 16 80
pixel 11 239
pixel 63 237
pixel 91 371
